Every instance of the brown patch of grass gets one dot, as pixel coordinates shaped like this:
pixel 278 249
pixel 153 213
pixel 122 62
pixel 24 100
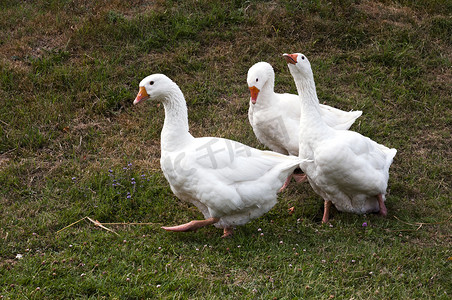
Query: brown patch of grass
pixel 45 36
pixel 392 14
pixel 43 31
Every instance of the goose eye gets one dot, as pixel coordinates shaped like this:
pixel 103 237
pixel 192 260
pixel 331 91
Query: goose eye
pixel 302 57
pixel 257 79
pixel 151 83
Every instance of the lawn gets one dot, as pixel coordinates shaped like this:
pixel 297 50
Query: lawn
pixel 73 148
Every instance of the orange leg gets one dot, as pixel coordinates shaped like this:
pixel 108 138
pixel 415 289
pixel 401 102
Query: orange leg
pixel 193 225
pixel 228 231
pixel 286 183
pixel 381 203
pixel 299 178
pixel 326 212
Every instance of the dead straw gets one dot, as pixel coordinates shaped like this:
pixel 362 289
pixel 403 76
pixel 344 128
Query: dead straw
pixel 102 225
pixel 420 224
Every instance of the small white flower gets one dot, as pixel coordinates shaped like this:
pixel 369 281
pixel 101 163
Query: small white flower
pixel 19 256
pixel 158 285
pixel 239 246
pixel 259 229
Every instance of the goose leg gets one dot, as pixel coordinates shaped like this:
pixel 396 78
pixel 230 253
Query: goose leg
pixel 326 212
pixel 228 231
pixel 286 183
pixel 381 203
pixel 297 175
pixel 299 178
pixel 192 225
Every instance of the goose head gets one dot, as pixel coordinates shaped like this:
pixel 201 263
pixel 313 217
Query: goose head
pixel 154 87
pixel 299 65
pixel 260 76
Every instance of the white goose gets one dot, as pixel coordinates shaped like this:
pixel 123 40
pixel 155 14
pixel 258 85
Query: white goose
pixel 275 117
pixel 229 182
pixel 348 170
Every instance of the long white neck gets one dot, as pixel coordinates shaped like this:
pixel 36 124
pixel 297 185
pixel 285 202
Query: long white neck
pixel 311 122
pixel 308 97
pixel 175 128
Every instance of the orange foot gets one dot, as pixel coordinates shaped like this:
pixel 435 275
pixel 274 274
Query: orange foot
pixel 192 225
pixel 227 232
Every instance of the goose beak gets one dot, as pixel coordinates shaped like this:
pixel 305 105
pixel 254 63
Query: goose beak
pixel 142 95
pixel 290 58
pixel 254 91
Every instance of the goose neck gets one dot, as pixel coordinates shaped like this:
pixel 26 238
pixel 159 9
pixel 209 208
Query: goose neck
pixel 263 99
pixel 308 96
pixel 175 127
pixel 312 126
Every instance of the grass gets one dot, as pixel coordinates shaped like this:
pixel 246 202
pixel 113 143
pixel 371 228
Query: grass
pixel 71 142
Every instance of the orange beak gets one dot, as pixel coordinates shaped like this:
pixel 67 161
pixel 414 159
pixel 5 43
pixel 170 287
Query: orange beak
pixel 254 91
pixel 142 95
pixel 290 58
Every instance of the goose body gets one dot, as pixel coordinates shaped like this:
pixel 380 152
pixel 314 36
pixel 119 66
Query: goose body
pixel 229 182
pixel 348 170
pixel 275 117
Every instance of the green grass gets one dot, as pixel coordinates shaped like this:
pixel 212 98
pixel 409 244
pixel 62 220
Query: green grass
pixel 71 142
